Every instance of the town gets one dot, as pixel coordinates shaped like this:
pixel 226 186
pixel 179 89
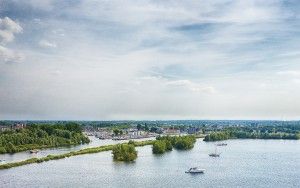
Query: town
pixel 138 131
pixel 126 130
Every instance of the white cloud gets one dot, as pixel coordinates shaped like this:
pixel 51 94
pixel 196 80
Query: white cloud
pixel 294 73
pixel 8 29
pixel 56 72
pixel 6 36
pixel 47 44
pixel 253 12
pixel 290 54
pixel 10 56
pixel 10 25
pixel 152 59
pixel 187 84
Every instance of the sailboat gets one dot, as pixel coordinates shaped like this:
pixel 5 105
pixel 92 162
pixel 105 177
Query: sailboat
pixel 215 154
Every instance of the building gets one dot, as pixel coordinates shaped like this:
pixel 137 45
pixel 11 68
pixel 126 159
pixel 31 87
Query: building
pixel 19 126
pixel 4 128
pixel 170 131
pixel 192 130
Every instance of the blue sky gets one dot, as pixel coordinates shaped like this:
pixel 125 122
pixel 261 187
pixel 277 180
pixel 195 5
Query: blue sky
pixel 219 59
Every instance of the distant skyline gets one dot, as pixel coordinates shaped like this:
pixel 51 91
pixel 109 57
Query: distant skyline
pixel 149 60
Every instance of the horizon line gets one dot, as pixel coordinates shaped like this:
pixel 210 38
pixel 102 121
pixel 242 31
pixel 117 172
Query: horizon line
pixel 150 120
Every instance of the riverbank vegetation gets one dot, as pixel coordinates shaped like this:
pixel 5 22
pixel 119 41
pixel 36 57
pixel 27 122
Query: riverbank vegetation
pixel 70 154
pixel 250 134
pixel 167 143
pixel 217 136
pixel 160 147
pixel 37 136
pixel 124 152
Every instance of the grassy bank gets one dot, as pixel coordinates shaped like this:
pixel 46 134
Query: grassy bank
pixel 70 154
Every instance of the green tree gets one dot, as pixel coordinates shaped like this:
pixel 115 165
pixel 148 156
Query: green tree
pixel 131 142
pixel 146 127
pixel 169 146
pixel 153 129
pixel 74 127
pixel 2 150
pixel 11 148
pixel 116 132
pixel 139 126
pixel 40 135
pixel 124 152
pixel 159 147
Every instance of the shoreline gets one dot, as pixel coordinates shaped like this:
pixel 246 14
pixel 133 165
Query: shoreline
pixel 69 154
pixel 99 149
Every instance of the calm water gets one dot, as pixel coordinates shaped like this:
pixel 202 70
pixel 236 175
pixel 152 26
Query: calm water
pixel 243 163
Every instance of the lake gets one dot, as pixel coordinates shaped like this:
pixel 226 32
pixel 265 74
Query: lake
pixel 243 163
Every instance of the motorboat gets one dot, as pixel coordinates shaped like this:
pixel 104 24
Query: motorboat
pixel 222 144
pixel 214 155
pixel 34 151
pixel 195 170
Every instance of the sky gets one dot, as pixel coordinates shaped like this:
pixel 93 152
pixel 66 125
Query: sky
pixel 149 59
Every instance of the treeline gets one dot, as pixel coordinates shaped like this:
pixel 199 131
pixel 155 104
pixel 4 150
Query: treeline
pixel 224 135
pixel 167 143
pixel 126 152
pixel 37 136
pixel 216 136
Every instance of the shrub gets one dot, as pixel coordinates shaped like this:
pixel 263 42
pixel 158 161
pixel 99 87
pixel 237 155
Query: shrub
pixel 159 147
pixel 124 152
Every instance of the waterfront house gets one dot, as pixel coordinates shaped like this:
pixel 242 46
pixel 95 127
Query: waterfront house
pixel 4 128
pixel 192 130
pixel 171 131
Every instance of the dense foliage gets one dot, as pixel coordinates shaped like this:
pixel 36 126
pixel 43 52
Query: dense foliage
pixel 124 152
pixel 117 132
pixel 41 136
pixel 215 136
pixel 159 147
pixel 166 143
pixel 251 134
pixel 184 142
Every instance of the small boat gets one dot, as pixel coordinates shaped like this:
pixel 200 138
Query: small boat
pixel 215 154
pixel 34 151
pixel 222 144
pixel 195 170
pixel 2 161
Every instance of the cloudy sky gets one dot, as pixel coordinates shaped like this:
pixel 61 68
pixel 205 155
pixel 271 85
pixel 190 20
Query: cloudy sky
pixel 108 60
